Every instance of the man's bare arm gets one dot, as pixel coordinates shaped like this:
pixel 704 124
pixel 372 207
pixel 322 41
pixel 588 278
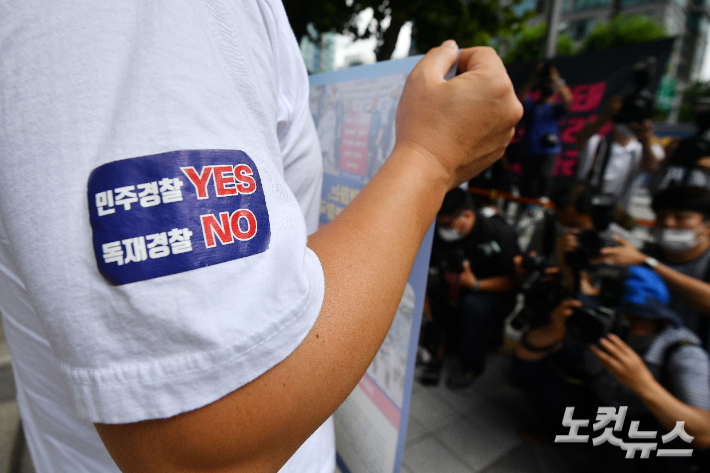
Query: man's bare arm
pixel 446 133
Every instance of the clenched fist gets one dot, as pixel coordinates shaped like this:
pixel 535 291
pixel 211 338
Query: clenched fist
pixel 463 125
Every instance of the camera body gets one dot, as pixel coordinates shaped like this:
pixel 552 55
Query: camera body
pixel 590 242
pixel 589 323
pixel 541 296
pixel 638 105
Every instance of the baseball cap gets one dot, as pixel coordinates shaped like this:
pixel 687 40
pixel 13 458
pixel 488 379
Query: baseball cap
pixel 646 296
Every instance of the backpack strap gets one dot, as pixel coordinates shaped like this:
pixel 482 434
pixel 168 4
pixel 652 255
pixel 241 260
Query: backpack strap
pixel 603 152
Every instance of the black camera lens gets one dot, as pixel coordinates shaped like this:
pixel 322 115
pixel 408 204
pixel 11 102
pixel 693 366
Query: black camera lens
pixel 587 325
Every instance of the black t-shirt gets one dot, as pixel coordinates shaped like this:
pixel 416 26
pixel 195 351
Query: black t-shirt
pixel 489 248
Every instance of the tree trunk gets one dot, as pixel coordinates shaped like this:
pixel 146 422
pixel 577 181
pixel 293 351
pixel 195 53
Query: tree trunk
pixel 389 39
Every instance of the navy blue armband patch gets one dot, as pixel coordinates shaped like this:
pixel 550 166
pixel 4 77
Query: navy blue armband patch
pixel 156 215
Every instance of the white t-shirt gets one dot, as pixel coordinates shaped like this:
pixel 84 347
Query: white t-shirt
pixel 623 169
pixel 114 117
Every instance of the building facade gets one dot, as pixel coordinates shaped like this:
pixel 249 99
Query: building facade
pixel 687 20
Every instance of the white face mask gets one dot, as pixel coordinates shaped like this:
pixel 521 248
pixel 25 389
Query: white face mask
pixel 449 234
pixel 677 240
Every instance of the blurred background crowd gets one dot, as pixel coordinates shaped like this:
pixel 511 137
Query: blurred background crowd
pixel 583 255
pixel 596 306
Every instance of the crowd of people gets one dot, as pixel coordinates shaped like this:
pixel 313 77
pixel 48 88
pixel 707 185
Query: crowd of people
pixel 609 312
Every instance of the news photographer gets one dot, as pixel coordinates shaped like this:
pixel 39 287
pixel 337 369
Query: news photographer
pixel 613 163
pixel 587 222
pixel 471 289
pixel 541 117
pixel 688 161
pixel 582 223
pixel 681 254
pixel 621 347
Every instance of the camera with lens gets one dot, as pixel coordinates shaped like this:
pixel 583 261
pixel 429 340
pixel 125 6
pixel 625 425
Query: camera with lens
pixel 592 321
pixel 590 242
pixel 541 295
pixel 638 105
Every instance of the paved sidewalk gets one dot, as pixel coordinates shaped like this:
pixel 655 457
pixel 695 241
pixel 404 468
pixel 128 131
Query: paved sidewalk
pixel 477 431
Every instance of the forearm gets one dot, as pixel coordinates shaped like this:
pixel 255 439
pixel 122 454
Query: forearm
pixel 692 290
pixel 565 95
pixel 498 284
pixel 590 129
pixel 668 409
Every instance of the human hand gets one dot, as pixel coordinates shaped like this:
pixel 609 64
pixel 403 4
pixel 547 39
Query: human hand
pixel 550 273
pixel 567 242
pixel 625 254
pixel 563 311
pixel 643 131
pixel 466 277
pixel 460 127
pixel 613 107
pixel 623 363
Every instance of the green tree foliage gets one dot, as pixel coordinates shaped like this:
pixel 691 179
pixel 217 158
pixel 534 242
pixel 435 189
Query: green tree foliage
pixel 623 29
pixel 528 45
pixel 469 22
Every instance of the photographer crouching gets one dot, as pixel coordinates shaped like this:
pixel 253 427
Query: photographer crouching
pixel 632 354
pixel 470 286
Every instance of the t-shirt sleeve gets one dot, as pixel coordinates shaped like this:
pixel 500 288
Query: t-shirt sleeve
pixel 690 372
pixel 298 138
pixel 145 200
